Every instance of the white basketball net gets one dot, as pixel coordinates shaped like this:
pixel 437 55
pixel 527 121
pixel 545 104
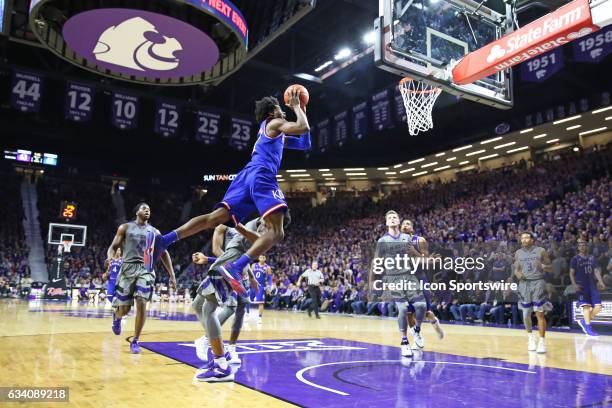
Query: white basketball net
pixel 419 98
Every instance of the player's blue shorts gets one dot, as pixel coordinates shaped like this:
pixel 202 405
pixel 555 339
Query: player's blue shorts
pixel 110 287
pixel 254 189
pixel 588 295
pixel 259 296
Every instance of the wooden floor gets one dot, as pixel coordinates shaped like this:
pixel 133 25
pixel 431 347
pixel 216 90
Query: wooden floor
pixel 42 344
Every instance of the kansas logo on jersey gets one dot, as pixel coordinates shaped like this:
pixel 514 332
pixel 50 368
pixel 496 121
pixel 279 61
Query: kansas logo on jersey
pixel 278 194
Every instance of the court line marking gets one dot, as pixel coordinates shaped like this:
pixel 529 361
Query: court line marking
pixel 300 374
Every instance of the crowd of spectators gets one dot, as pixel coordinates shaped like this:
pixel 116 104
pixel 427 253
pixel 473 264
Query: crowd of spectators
pixel 559 198
pixel 14 269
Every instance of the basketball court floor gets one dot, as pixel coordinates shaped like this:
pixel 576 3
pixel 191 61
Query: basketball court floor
pixel 338 361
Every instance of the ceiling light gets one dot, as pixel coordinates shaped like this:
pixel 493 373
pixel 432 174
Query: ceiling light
pixel 451 158
pixel 495 139
pixel 397 166
pixel 416 161
pixel 540 135
pixel 567 119
pixel 442 168
pixel 488 157
pixel 475 152
pixel 382 168
pixel 297 171
pixel 526 131
pixel 344 53
pixel 588 132
pixel 462 148
pixel 369 37
pixel 463 162
pixel 356 174
pixel 355 169
pixel 552 141
pixel 504 145
pixel 573 127
pixel 419 174
pixel 518 149
pixel 407 170
pixel 323 66
pixel 429 164
pixel 440 154
pixel 601 110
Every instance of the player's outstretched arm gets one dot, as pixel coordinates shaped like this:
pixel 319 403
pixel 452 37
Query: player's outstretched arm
pixel 302 142
pixel 116 244
pixel 199 258
pixel 217 240
pixel 252 236
pixel 167 261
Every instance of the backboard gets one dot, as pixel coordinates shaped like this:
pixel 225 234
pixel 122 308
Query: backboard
pixel 60 232
pixel 423 39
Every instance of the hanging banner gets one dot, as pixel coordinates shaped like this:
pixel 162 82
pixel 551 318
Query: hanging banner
pixel 125 111
pixel 207 127
pixel 541 68
pixel 240 133
pixel 26 91
pixel 167 118
pixel 595 47
pixel 340 128
pixel 400 109
pixel 323 136
pixel 360 120
pixel 79 102
pixel 381 110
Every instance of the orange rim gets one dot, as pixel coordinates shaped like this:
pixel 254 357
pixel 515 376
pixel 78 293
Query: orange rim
pixel 424 91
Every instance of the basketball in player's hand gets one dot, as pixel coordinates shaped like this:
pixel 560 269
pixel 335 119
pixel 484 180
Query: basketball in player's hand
pixel 303 94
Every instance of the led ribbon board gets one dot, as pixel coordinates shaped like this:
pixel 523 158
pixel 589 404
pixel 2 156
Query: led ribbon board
pixel 170 42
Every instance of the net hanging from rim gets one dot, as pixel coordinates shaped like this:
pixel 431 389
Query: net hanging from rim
pixel 419 98
pixel 67 245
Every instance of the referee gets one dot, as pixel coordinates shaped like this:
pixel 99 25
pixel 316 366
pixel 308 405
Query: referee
pixel 314 277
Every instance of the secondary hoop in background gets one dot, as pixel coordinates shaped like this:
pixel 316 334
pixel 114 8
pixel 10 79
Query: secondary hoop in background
pixel 419 99
pixel 67 245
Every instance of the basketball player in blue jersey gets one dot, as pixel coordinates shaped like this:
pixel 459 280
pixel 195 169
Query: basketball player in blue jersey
pixel 254 188
pixel 263 275
pixel 111 274
pixel 583 273
pixel 135 281
pixel 422 247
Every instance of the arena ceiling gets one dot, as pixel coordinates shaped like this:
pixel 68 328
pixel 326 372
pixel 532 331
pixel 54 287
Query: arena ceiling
pixel 312 39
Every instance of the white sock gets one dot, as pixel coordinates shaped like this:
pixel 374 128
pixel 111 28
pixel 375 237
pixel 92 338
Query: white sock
pixel 221 362
pixel 231 348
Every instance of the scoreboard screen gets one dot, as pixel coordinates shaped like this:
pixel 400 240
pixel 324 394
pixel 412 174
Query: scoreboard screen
pixel 68 210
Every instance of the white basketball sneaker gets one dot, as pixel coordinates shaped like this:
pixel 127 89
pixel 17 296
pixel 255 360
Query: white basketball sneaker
pixel 418 340
pixel 541 346
pixel 531 343
pixel 405 349
pixel 234 359
pixel 259 320
pixel 201 346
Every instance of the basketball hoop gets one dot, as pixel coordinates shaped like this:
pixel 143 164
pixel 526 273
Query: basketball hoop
pixel 419 98
pixel 67 244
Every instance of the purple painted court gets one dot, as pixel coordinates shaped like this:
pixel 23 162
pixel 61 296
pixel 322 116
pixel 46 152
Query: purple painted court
pixel 339 373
